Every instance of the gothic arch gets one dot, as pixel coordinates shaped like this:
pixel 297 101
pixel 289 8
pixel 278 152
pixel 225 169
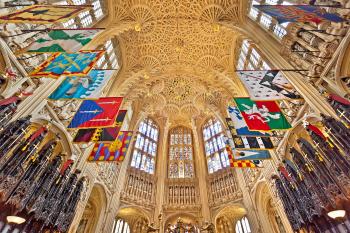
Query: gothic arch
pixel 342 67
pixel 216 116
pixel 65 137
pixel 186 217
pixel 265 207
pixel 226 217
pixel 289 139
pixel 136 217
pixel 4 62
pixel 94 211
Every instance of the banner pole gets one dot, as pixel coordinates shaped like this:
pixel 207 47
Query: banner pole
pixel 25 58
pixel 317 30
pixel 306 51
pixel 274 70
pixel 18 34
pixel 332 6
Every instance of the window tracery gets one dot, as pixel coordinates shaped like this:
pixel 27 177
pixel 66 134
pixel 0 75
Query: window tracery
pixel 180 153
pixel 145 148
pixel 87 18
pixel 121 226
pixel 266 21
pixel 214 143
pixel 250 58
pixel 109 59
pixel 243 226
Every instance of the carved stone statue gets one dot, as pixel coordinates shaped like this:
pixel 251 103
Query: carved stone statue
pixel 208 227
pixel 152 228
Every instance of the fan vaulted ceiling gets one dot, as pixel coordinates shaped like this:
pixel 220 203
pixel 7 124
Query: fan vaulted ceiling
pixel 178 58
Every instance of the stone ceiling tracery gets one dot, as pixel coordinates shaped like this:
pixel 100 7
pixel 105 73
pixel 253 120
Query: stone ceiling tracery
pixel 177 58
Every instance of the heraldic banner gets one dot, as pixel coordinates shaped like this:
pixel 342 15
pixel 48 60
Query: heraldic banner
pixel 299 13
pixel 63 40
pixel 115 151
pixel 68 64
pixel 244 142
pixel 238 124
pixel 267 85
pixel 108 134
pixel 86 87
pixel 97 113
pixel 44 14
pixel 242 163
pixel 262 115
pixel 251 154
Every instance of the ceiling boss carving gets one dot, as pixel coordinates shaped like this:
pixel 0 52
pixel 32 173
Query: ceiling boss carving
pixel 177 56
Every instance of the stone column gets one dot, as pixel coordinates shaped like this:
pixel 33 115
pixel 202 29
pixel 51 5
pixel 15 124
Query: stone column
pixel 268 170
pixel 91 175
pixel 113 208
pixel 161 171
pixel 252 213
pixel 201 170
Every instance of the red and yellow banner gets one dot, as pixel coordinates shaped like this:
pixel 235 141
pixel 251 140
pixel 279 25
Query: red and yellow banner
pixel 115 151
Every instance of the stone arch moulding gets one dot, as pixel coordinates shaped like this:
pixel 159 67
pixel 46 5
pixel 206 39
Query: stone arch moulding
pixel 342 67
pixel 179 125
pixel 217 116
pixel 61 131
pixel 310 118
pixel 186 216
pixel 226 217
pixel 235 209
pixel 262 199
pixel 97 202
pixel 140 211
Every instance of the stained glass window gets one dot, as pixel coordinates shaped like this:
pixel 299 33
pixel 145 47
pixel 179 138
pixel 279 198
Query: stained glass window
pixel 180 153
pixel 214 143
pixel 243 226
pixel 145 149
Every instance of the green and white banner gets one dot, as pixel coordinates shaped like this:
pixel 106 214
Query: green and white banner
pixel 63 40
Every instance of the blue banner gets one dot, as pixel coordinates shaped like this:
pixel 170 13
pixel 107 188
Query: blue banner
pixel 251 154
pixel 88 87
pixel 299 13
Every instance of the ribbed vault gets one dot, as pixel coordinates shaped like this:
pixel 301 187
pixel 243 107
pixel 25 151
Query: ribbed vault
pixel 178 59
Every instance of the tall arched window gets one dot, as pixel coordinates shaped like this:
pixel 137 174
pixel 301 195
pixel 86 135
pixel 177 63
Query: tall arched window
pixel 242 226
pixel 145 149
pixel 180 153
pixel 120 226
pixel 214 143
